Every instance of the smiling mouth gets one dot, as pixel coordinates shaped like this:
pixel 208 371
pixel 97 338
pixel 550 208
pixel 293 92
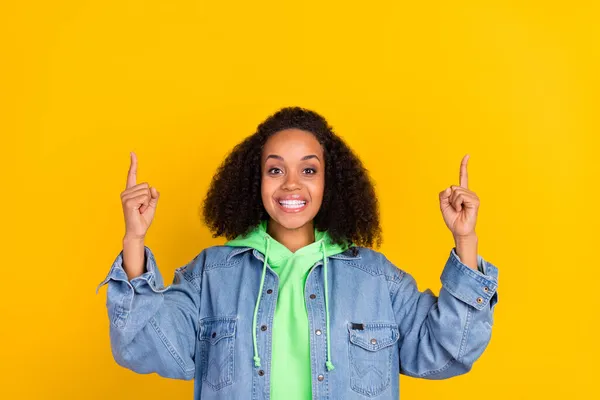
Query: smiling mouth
pixel 292 203
pixel 292 206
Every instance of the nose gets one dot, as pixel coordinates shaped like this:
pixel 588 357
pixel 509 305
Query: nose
pixel 291 182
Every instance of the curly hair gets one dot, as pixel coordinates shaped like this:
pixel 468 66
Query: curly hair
pixel 349 211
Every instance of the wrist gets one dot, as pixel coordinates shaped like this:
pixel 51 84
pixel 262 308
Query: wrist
pixel 466 249
pixel 471 238
pixel 133 241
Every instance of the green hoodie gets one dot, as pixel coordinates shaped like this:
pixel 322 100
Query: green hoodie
pixel 290 362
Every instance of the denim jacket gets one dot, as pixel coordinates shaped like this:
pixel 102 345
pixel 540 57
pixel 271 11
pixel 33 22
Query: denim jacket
pixel 200 326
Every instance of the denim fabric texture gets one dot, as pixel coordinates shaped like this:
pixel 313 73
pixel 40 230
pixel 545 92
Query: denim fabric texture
pixel 200 326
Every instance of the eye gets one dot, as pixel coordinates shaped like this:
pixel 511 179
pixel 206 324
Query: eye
pixel 312 171
pixel 273 169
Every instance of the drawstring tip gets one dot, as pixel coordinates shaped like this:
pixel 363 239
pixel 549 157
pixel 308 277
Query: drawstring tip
pixel 329 365
pixel 256 361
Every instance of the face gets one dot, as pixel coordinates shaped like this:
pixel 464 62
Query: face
pixel 293 177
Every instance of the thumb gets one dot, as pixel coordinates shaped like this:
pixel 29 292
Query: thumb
pixel 445 198
pixel 445 194
pixel 154 195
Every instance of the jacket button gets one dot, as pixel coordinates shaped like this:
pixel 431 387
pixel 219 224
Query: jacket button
pixel 261 372
pixel 320 377
pixel 373 341
pixel 486 289
pixel 263 328
pixel 269 291
pixel 312 296
pixel 479 300
pixel 318 332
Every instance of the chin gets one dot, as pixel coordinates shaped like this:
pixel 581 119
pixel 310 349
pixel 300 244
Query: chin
pixel 291 220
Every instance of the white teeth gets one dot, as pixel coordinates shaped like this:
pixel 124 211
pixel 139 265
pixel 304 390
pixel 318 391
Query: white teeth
pixel 292 203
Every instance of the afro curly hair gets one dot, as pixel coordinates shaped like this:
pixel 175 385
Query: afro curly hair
pixel 349 211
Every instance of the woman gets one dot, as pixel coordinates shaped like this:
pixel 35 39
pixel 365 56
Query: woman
pixel 296 305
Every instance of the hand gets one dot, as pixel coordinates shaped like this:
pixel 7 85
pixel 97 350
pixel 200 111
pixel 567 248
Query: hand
pixel 459 206
pixel 139 204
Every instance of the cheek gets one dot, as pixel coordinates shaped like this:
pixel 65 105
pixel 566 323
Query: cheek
pixel 266 191
pixel 316 191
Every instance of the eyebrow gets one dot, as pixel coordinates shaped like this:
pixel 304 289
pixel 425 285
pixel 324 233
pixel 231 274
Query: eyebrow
pixel 308 157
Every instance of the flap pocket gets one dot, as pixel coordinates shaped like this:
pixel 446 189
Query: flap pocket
pixel 374 336
pixel 213 329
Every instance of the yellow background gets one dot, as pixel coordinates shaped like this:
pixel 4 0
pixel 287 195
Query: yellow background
pixel 412 87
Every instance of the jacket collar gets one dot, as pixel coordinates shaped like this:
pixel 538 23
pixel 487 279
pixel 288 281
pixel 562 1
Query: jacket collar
pixel 346 255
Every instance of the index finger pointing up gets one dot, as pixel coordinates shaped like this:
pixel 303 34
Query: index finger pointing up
pixel 464 178
pixel 132 174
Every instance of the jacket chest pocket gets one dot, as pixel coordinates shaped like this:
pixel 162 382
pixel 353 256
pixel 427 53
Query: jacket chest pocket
pixel 370 351
pixel 216 346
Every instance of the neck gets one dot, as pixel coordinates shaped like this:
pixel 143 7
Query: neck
pixel 293 239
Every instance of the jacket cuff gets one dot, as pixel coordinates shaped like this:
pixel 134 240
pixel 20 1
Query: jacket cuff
pixel 151 276
pixel 476 288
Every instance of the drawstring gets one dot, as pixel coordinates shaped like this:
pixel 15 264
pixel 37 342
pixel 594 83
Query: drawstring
pixel 262 281
pixel 329 364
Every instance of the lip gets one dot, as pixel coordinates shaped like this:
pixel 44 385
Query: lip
pixel 291 197
pixel 291 210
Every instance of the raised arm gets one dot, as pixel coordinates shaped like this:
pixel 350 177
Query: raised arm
pixel 152 328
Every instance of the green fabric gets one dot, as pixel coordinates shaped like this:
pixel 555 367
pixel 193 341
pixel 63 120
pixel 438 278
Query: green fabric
pixel 290 362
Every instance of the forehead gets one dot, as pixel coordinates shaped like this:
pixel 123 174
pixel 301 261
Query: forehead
pixel 292 144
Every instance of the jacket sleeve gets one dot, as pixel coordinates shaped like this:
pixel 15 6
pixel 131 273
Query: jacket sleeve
pixel 443 336
pixel 153 328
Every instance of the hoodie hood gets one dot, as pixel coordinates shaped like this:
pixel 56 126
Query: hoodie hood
pixel 277 254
